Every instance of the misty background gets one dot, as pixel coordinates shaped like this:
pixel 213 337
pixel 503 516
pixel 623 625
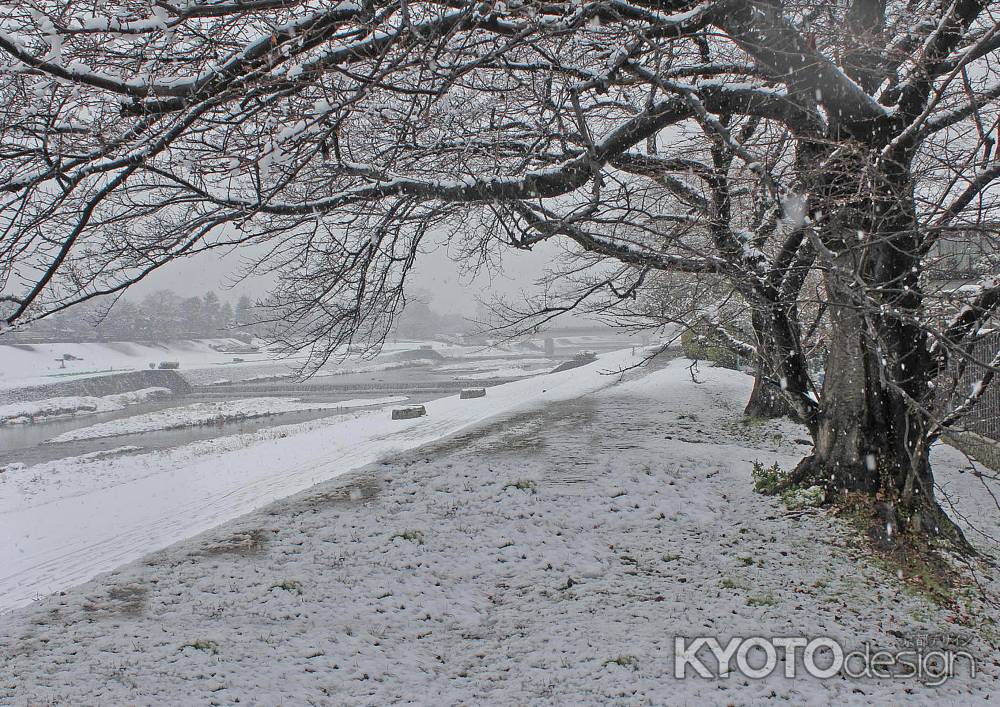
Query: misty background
pixel 204 296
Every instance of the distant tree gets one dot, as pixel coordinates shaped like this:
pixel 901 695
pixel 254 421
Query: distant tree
pixel 243 311
pixel 211 322
pixel 164 310
pixel 226 318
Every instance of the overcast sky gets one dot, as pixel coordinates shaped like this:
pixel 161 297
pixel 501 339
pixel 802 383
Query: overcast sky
pixel 435 274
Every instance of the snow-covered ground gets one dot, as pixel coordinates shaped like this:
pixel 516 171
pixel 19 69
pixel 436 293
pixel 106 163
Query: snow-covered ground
pixel 209 413
pixel 547 557
pixel 205 361
pixel 39 364
pixel 499 368
pixel 70 405
pixel 113 510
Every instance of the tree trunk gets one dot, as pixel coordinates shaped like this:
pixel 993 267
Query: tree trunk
pixel 777 358
pixel 868 439
pixel 766 399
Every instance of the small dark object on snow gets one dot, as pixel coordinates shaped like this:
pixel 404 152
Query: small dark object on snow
pixel 409 412
pixel 472 393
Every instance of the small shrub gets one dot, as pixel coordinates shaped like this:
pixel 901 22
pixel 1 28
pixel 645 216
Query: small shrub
pixel 762 600
pixel 768 480
pixel 701 347
pixel 692 346
pixel 730 583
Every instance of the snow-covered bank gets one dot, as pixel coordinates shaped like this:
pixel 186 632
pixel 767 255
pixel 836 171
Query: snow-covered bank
pixel 37 364
pixel 31 411
pixel 209 413
pixel 550 557
pixel 144 503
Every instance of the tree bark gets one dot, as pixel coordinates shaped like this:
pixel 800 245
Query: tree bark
pixel 870 437
pixel 778 358
pixel 766 399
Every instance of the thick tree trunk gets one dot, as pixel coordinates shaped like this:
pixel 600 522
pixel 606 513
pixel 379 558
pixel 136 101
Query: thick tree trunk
pixel 778 358
pixel 869 439
pixel 766 399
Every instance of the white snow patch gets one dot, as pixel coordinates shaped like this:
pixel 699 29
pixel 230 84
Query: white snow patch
pixel 26 412
pixel 209 413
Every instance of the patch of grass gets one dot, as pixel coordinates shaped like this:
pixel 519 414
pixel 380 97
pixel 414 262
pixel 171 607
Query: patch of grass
pixel 768 480
pixel 746 561
pixel 625 661
pixel 288 585
pixel 414 536
pixel 775 481
pixel 523 485
pixel 913 558
pixel 762 600
pixel 730 583
pixel 797 499
pixel 203 645
pixel 244 543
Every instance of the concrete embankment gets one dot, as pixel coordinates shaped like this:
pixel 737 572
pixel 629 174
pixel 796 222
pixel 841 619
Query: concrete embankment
pixel 97 386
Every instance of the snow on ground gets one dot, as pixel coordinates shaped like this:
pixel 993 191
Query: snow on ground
pixel 547 557
pixel 55 539
pixel 22 485
pixel 508 372
pixel 38 364
pixel 349 369
pixel 210 413
pixel 25 412
pixel 498 368
pixel 202 361
pixel 494 363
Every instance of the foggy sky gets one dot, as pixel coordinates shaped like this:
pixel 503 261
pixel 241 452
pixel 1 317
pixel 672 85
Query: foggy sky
pixel 435 274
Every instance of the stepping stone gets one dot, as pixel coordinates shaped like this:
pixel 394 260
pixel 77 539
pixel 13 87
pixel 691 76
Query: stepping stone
pixel 409 412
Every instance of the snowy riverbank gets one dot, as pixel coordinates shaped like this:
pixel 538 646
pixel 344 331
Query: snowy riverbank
pixel 68 520
pixel 69 406
pixel 211 413
pixel 549 556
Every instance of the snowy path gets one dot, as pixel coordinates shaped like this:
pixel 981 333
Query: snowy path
pixel 58 538
pixel 547 557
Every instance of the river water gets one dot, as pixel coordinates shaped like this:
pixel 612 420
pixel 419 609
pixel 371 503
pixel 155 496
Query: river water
pixel 25 443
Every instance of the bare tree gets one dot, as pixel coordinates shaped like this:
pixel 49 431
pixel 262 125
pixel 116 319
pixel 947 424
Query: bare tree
pixel 809 155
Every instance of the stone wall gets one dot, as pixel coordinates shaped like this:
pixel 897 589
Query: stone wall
pixel 99 385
